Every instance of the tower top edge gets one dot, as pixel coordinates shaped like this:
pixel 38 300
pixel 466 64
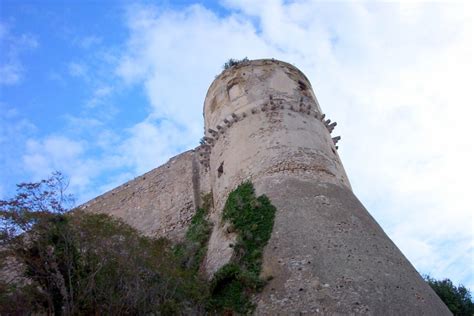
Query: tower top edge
pixel 254 63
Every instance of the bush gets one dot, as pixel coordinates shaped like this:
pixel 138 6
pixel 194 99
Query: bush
pixel 233 62
pixel 83 263
pixel 91 263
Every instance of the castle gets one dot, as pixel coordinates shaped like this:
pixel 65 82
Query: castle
pixel 326 255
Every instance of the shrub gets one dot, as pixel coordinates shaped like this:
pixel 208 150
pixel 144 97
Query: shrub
pixel 233 62
pixel 83 263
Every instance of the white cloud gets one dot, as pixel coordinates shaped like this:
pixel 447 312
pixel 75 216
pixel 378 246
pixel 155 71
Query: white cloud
pixel 395 76
pixel 14 131
pixel 99 96
pixel 88 42
pixel 175 51
pixel 175 56
pixel 79 70
pixel 150 144
pixel 12 46
pixel 10 73
pixel 42 156
pixel 60 153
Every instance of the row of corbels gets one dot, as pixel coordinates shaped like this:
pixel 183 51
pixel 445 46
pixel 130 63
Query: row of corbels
pixel 207 142
pixel 335 140
pixel 227 122
pixel 272 105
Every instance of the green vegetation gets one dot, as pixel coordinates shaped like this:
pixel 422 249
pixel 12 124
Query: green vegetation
pixel 457 298
pixel 232 62
pixel 252 219
pixel 192 251
pixel 76 263
pixel 81 263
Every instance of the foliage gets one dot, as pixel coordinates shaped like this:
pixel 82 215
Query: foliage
pixel 233 62
pixel 192 251
pixel 228 291
pixel 252 219
pixel 91 263
pixel 457 298
pixel 33 202
pixel 83 263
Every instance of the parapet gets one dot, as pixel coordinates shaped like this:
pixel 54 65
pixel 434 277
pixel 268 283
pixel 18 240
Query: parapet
pixel 249 84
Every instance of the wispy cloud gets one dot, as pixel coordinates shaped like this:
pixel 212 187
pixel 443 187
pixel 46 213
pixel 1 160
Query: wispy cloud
pixel 15 129
pixel 10 73
pixel 163 140
pixel 88 42
pixel 175 81
pixel 56 152
pixel 79 70
pixel 12 46
pixel 99 96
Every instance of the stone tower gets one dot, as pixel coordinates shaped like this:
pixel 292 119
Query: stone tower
pixel 327 254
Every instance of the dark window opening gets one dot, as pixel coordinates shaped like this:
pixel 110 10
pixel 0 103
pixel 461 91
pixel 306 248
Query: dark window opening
pixel 220 170
pixel 302 85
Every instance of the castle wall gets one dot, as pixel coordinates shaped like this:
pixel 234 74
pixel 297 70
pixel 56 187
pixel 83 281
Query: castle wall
pixel 263 119
pixel 160 202
pixel 326 254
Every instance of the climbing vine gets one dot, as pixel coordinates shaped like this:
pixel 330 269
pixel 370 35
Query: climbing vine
pixel 252 218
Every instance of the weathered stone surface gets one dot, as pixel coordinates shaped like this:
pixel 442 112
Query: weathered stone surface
pixel 160 202
pixel 272 139
pixel 326 255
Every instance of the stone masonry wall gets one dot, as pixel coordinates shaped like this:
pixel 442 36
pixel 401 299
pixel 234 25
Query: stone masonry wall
pixel 262 118
pixel 326 255
pixel 160 202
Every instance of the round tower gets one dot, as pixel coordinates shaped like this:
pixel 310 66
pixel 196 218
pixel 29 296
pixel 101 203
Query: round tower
pixel 327 254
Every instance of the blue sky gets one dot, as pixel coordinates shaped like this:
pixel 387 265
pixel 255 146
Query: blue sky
pixel 107 90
